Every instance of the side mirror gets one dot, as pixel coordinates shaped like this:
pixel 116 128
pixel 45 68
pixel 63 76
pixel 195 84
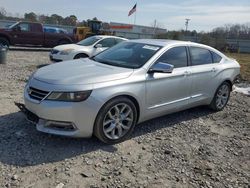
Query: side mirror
pixel 98 46
pixel 161 67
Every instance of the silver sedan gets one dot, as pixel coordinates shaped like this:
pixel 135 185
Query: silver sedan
pixel 134 81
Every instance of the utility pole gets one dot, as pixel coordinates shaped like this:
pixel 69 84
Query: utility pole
pixel 154 32
pixel 186 23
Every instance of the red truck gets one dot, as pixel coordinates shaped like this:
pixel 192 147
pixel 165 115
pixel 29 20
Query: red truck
pixel 32 34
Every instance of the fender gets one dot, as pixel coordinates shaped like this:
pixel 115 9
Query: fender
pixel 6 36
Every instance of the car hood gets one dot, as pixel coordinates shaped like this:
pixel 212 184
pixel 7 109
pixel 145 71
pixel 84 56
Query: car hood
pixel 80 71
pixel 69 46
pixel 5 29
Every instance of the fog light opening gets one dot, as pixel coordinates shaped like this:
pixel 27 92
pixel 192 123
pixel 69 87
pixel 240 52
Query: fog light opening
pixel 60 125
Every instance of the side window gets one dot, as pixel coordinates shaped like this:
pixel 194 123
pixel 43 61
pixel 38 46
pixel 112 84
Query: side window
pixel 200 56
pixel 176 56
pixel 24 27
pixel 118 40
pixel 107 42
pixel 216 58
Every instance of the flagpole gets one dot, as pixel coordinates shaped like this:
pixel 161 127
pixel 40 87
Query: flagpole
pixel 135 18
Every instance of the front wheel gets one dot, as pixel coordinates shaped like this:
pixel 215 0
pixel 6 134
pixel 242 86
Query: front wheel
pixel 221 97
pixel 116 120
pixel 4 42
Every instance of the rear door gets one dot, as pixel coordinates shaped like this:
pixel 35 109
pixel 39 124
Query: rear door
pixel 205 74
pixel 36 34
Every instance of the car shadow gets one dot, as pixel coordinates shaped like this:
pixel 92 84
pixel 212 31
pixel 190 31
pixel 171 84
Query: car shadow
pixel 22 145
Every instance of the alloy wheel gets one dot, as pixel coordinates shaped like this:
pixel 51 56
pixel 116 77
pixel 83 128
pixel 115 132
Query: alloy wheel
pixel 222 96
pixel 118 121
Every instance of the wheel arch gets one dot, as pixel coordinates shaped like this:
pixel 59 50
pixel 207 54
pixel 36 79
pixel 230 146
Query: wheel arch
pixel 229 82
pixel 6 37
pixel 80 53
pixel 130 97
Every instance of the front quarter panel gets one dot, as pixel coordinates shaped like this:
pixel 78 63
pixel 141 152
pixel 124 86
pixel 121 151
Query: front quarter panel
pixel 134 86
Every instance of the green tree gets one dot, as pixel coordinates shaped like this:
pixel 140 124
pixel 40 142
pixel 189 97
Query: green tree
pixel 70 20
pixel 30 17
pixel 57 19
pixel 2 13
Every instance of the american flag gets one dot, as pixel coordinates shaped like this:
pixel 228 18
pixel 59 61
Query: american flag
pixel 132 10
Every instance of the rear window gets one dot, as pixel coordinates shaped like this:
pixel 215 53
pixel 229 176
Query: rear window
pixel 216 58
pixel 200 56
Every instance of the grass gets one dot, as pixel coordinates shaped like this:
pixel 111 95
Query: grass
pixel 244 60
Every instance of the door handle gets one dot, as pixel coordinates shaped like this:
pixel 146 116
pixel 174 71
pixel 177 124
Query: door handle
pixel 186 73
pixel 213 69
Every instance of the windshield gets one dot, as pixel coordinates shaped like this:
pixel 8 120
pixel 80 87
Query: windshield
pixel 13 25
pixel 127 54
pixel 89 41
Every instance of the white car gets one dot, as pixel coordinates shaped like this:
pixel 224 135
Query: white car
pixel 86 48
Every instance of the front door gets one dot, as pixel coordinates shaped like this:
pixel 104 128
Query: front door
pixel 28 34
pixel 167 92
pixel 21 33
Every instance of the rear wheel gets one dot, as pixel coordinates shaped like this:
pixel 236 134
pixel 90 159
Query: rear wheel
pixel 78 56
pixel 116 120
pixel 4 42
pixel 221 97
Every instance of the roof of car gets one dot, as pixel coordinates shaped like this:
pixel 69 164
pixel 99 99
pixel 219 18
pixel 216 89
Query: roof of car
pixel 160 42
pixel 166 42
pixel 107 36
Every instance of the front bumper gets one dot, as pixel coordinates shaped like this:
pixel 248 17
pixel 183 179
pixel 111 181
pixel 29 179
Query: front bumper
pixel 58 58
pixel 53 59
pixel 33 118
pixel 81 115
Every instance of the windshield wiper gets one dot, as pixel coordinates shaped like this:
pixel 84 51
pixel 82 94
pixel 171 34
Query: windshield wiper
pixel 93 58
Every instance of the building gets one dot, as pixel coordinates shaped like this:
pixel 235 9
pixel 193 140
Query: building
pixel 134 31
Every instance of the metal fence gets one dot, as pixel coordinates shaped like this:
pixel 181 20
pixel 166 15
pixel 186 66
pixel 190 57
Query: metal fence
pixel 235 45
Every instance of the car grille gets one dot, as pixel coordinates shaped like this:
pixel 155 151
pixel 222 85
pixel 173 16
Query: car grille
pixel 37 94
pixel 53 51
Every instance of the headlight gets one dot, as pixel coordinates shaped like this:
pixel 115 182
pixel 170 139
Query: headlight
pixel 69 96
pixel 66 52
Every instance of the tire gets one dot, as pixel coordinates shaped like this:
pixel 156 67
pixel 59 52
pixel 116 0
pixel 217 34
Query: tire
pixel 115 121
pixel 64 41
pixel 78 56
pixel 4 42
pixel 221 97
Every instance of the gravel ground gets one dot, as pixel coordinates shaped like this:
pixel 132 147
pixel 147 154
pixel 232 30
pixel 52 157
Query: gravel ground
pixel 193 148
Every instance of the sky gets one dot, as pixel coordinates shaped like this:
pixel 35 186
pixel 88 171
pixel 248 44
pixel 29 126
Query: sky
pixel 169 14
